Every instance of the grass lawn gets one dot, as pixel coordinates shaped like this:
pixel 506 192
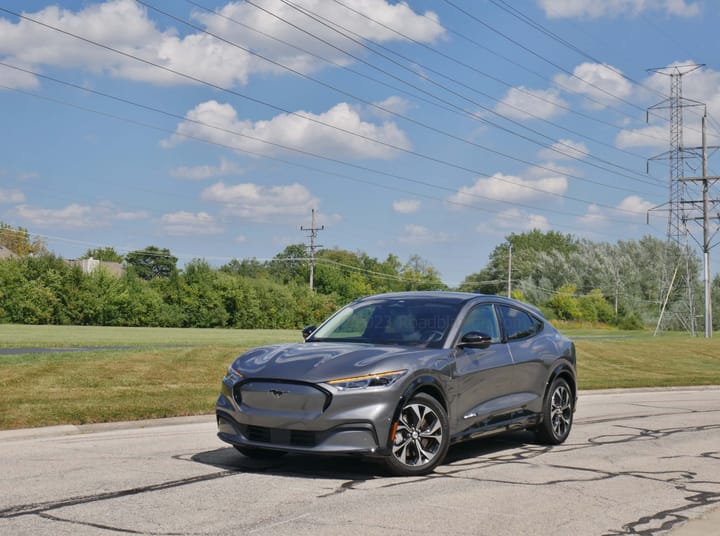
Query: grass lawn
pixel 172 372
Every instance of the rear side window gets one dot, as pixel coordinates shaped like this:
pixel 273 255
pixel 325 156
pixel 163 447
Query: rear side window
pixel 518 324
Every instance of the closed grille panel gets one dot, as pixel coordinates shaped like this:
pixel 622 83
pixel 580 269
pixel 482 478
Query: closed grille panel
pixel 276 436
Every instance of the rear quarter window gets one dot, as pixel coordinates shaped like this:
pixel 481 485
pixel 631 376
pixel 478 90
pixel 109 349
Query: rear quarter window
pixel 518 324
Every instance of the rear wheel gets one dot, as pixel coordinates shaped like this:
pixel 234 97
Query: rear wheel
pixel 259 453
pixel 421 437
pixel 557 413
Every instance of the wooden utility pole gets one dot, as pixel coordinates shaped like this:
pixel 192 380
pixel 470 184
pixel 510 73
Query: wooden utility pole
pixel 313 246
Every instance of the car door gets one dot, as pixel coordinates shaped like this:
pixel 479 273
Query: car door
pixel 482 377
pixel 527 350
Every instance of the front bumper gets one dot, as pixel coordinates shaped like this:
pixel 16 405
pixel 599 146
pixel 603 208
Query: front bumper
pixel 342 422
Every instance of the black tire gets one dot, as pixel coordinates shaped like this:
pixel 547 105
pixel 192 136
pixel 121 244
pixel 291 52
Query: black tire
pixel 558 409
pixel 260 454
pixel 421 439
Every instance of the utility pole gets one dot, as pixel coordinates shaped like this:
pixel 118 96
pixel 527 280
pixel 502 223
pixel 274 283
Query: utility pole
pixel 677 249
pixel 705 218
pixel 685 206
pixel 313 246
pixel 509 270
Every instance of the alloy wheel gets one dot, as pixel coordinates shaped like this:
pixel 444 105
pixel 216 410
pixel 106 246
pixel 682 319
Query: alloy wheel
pixel 419 436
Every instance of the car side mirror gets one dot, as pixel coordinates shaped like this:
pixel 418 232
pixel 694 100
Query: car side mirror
pixel 308 330
pixel 475 339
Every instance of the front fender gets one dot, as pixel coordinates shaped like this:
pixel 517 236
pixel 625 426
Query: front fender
pixel 427 384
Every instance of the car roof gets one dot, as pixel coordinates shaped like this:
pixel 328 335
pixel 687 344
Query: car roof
pixel 452 296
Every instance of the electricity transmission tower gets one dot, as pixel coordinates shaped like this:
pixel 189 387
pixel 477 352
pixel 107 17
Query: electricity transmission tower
pixel 313 232
pixel 689 204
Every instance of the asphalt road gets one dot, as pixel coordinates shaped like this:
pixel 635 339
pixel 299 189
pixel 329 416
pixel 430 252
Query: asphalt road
pixel 637 462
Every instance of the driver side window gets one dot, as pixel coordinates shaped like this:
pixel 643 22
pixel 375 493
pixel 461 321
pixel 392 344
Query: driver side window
pixel 482 318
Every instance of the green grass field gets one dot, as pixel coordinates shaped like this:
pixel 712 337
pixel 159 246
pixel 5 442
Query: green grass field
pixel 172 372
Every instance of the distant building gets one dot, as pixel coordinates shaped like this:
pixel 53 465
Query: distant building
pixel 88 266
pixel 6 253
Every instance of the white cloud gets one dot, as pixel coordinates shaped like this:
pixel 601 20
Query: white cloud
pixel 701 85
pixel 207 171
pixel 594 216
pixel 565 150
pixel 8 197
pixel 594 9
pixel 14 79
pixel 75 215
pixel 189 224
pixel 406 206
pixel 599 82
pixel 515 219
pixel 130 215
pixel 502 187
pixel 421 27
pixel 394 104
pixel 261 203
pixel 521 103
pixel 635 203
pixel 71 216
pixel 292 131
pixel 650 136
pixel 125 25
pixel 597 216
pixel 28 175
pixel 417 234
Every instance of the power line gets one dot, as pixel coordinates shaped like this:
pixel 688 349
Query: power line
pixel 494 112
pixel 540 56
pixel 303 166
pixel 311 119
pixel 384 109
pixel 518 14
pixel 359 40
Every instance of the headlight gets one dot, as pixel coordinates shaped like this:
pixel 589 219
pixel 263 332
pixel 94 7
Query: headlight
pixel 382 379
pixel 233 376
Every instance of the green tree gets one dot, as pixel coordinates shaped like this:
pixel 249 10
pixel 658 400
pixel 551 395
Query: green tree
pixel 202 301
pixel 419 274
pixel 106 254
pixel 565 303
pixel 290 265
pixel 152 262
pixel 527 249
pixel 595 308
pixel 19 241
pixel 247 268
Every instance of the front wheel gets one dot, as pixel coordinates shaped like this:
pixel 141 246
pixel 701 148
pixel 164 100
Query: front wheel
pixel 557 413
pixel 421 439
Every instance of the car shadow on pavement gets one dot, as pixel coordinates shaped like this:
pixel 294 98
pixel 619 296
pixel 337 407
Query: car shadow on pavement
pixel 352 467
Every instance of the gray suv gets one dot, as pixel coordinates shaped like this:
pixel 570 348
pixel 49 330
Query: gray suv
pixel 403 376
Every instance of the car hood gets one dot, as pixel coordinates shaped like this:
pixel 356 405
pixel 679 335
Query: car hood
pixel 322 361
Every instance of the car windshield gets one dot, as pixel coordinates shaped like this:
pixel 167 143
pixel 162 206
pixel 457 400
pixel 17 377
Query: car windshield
pixel 413 322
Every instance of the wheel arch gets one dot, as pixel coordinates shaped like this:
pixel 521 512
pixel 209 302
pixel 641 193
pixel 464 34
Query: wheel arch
pixel 422 384
pixel 428 385
pixel 567 373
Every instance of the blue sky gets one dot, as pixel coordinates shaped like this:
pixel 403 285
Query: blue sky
pixel 430 128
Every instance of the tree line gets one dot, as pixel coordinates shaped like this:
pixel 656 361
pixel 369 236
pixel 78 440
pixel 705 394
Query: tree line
pixel 569 278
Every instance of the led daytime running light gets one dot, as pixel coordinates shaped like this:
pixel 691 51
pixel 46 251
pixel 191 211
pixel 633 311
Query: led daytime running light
pixel 352 379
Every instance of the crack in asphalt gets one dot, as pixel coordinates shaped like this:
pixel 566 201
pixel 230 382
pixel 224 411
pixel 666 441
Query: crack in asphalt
pixel 115 529
pixel 644 526
pixel 671 517
pixel 41 508
pixel 460 468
